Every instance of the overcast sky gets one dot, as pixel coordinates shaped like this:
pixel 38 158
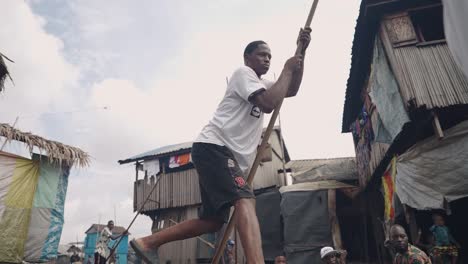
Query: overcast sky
pixel 118 78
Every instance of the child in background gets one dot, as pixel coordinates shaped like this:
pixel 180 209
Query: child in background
pixel 445 244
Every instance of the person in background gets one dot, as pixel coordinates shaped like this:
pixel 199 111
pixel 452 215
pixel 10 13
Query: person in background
pixel 332 256
pixel 406 253
pixel 280 260
pixel 102 251
pixel 229 252
pixel 445 244
pixel 75 258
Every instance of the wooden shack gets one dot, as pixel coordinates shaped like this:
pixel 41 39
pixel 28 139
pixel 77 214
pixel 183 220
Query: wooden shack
pixel 404 93
pixel 321 208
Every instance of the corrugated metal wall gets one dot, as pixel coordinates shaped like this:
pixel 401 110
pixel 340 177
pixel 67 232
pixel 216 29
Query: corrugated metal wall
pixel 426 73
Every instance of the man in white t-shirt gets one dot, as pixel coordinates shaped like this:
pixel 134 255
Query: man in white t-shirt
pixel 226 148
pixel 102 251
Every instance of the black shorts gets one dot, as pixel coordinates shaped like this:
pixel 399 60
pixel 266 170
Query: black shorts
pixel 221 180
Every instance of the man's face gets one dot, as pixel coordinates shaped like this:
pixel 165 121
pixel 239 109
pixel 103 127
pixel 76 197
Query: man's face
pixel 280 260
pixel 399 239
pixel 259 59
pixel 110 225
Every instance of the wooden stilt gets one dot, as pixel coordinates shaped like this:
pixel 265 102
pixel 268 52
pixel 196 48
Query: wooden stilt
pixel 334 223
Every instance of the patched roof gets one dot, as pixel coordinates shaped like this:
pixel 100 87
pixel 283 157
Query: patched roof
pixel 315 186
pixel 338 169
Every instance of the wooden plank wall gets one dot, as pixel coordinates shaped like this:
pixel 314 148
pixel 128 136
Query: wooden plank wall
pixel 175 189
pixel 178 252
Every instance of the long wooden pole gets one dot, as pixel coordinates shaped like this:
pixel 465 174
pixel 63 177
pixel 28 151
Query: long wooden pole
pixel 263 145
pixel 114 248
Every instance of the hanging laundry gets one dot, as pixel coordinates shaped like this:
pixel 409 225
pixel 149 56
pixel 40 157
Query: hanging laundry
pixel 179 160
pixel 388 186
pixel 151 167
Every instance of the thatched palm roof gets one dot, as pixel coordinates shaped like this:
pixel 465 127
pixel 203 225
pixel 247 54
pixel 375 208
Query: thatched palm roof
pixel 3 71
pixel 56 151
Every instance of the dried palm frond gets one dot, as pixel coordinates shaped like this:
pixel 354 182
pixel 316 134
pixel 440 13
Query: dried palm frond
pixel 3 72
pixel 56 151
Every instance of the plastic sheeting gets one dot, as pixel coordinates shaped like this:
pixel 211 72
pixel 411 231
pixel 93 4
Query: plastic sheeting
pixel 306 225
pixel 323 169
pixel 314 186
pixel 32 197
pixel 386 97
pixel 434 171
pixel 269 218
pixel 456 32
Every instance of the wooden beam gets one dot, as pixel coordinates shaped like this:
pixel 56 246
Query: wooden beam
pixel 411 221
pixel 333 219
pixel 437 127
pixel 136 170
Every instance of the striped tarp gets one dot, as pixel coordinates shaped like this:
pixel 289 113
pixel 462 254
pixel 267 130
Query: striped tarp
pixel 32 197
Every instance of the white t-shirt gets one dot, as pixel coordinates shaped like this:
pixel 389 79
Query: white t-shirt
pixel 102 246
pixel 237 123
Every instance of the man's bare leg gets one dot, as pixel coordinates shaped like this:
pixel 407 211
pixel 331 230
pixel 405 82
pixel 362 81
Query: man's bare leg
pixel 187 229
pixel 249 230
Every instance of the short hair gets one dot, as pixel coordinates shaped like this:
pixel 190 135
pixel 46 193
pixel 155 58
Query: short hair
pixel 110 221
pixel 252 46
pixel 395 226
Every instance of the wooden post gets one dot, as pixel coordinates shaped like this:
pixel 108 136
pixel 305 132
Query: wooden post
pixel 437 127
pixel 235 246
pixel 136 170
pixel 333 219
pixel 411 221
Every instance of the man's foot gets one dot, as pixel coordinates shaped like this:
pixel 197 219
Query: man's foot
pixel 148 255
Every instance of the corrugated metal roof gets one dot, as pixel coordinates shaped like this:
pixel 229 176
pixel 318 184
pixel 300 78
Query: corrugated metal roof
pixel 162 151
pixel 323 169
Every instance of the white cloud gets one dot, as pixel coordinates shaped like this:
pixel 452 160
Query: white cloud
pixel 160 68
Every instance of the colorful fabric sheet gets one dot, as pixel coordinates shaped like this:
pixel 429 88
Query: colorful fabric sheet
pixel 32 198
pixel 179 160
pixel 388 186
